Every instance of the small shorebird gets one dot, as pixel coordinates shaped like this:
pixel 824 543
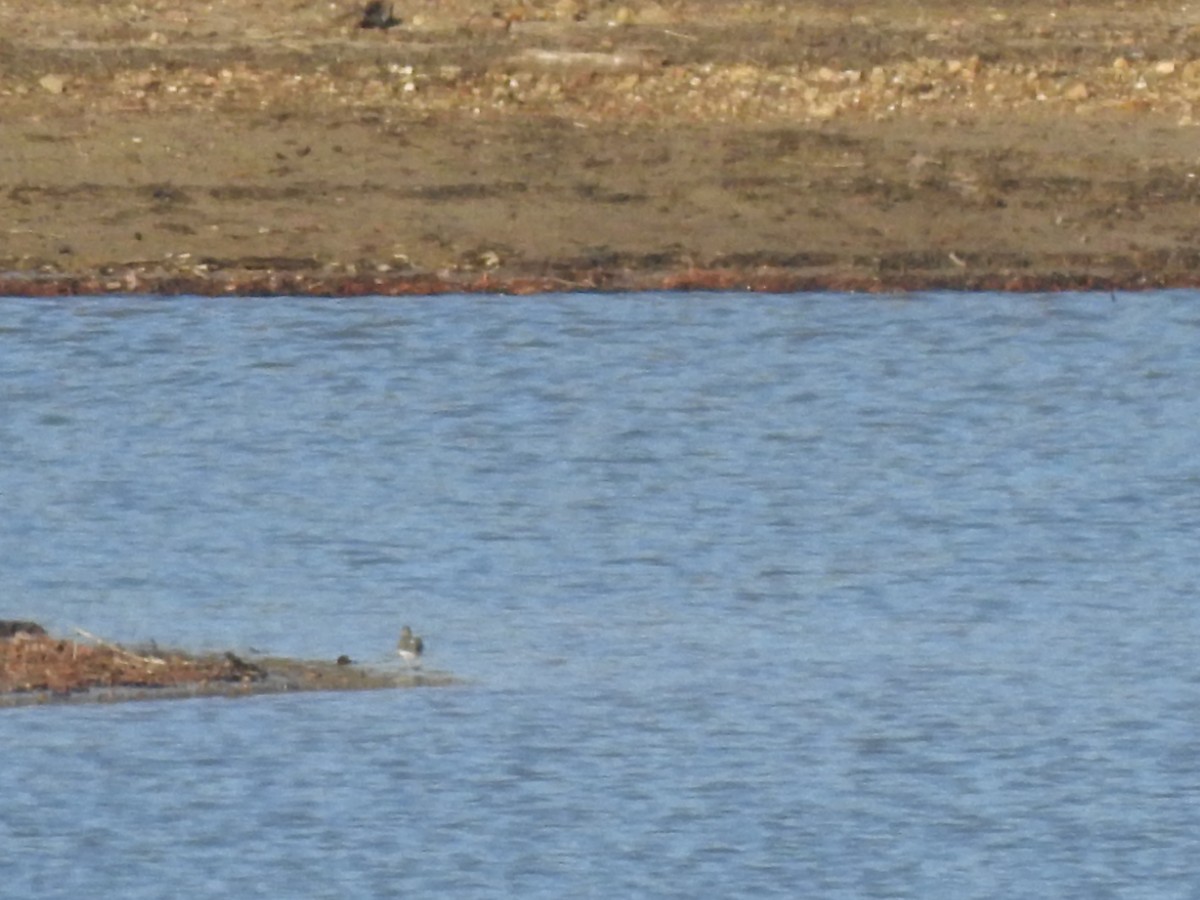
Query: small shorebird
pixel 410 647
pixel 378 14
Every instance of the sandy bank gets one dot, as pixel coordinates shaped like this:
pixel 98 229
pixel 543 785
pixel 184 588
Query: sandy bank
pixel 242 147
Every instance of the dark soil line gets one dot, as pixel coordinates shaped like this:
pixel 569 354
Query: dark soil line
pixel 757 280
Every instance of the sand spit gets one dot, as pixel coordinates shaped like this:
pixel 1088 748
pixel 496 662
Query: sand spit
pixel 38 668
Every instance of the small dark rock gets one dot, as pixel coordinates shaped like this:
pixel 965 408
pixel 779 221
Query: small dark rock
pixel 245 671
pixel 344 660
pixel 13 627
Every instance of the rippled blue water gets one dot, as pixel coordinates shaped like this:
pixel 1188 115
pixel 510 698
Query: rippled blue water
pixel 755 596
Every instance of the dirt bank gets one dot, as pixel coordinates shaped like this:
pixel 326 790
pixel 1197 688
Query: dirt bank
pixel 246 146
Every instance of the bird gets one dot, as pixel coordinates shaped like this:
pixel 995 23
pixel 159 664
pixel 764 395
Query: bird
pixel 410 647
pixel 378 14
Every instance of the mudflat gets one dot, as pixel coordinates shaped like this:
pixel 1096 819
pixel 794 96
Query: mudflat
pixel 245 146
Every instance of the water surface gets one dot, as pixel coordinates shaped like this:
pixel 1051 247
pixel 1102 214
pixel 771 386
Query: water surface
pixel 756 596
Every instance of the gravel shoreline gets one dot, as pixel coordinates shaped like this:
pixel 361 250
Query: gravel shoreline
pixel 236 148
